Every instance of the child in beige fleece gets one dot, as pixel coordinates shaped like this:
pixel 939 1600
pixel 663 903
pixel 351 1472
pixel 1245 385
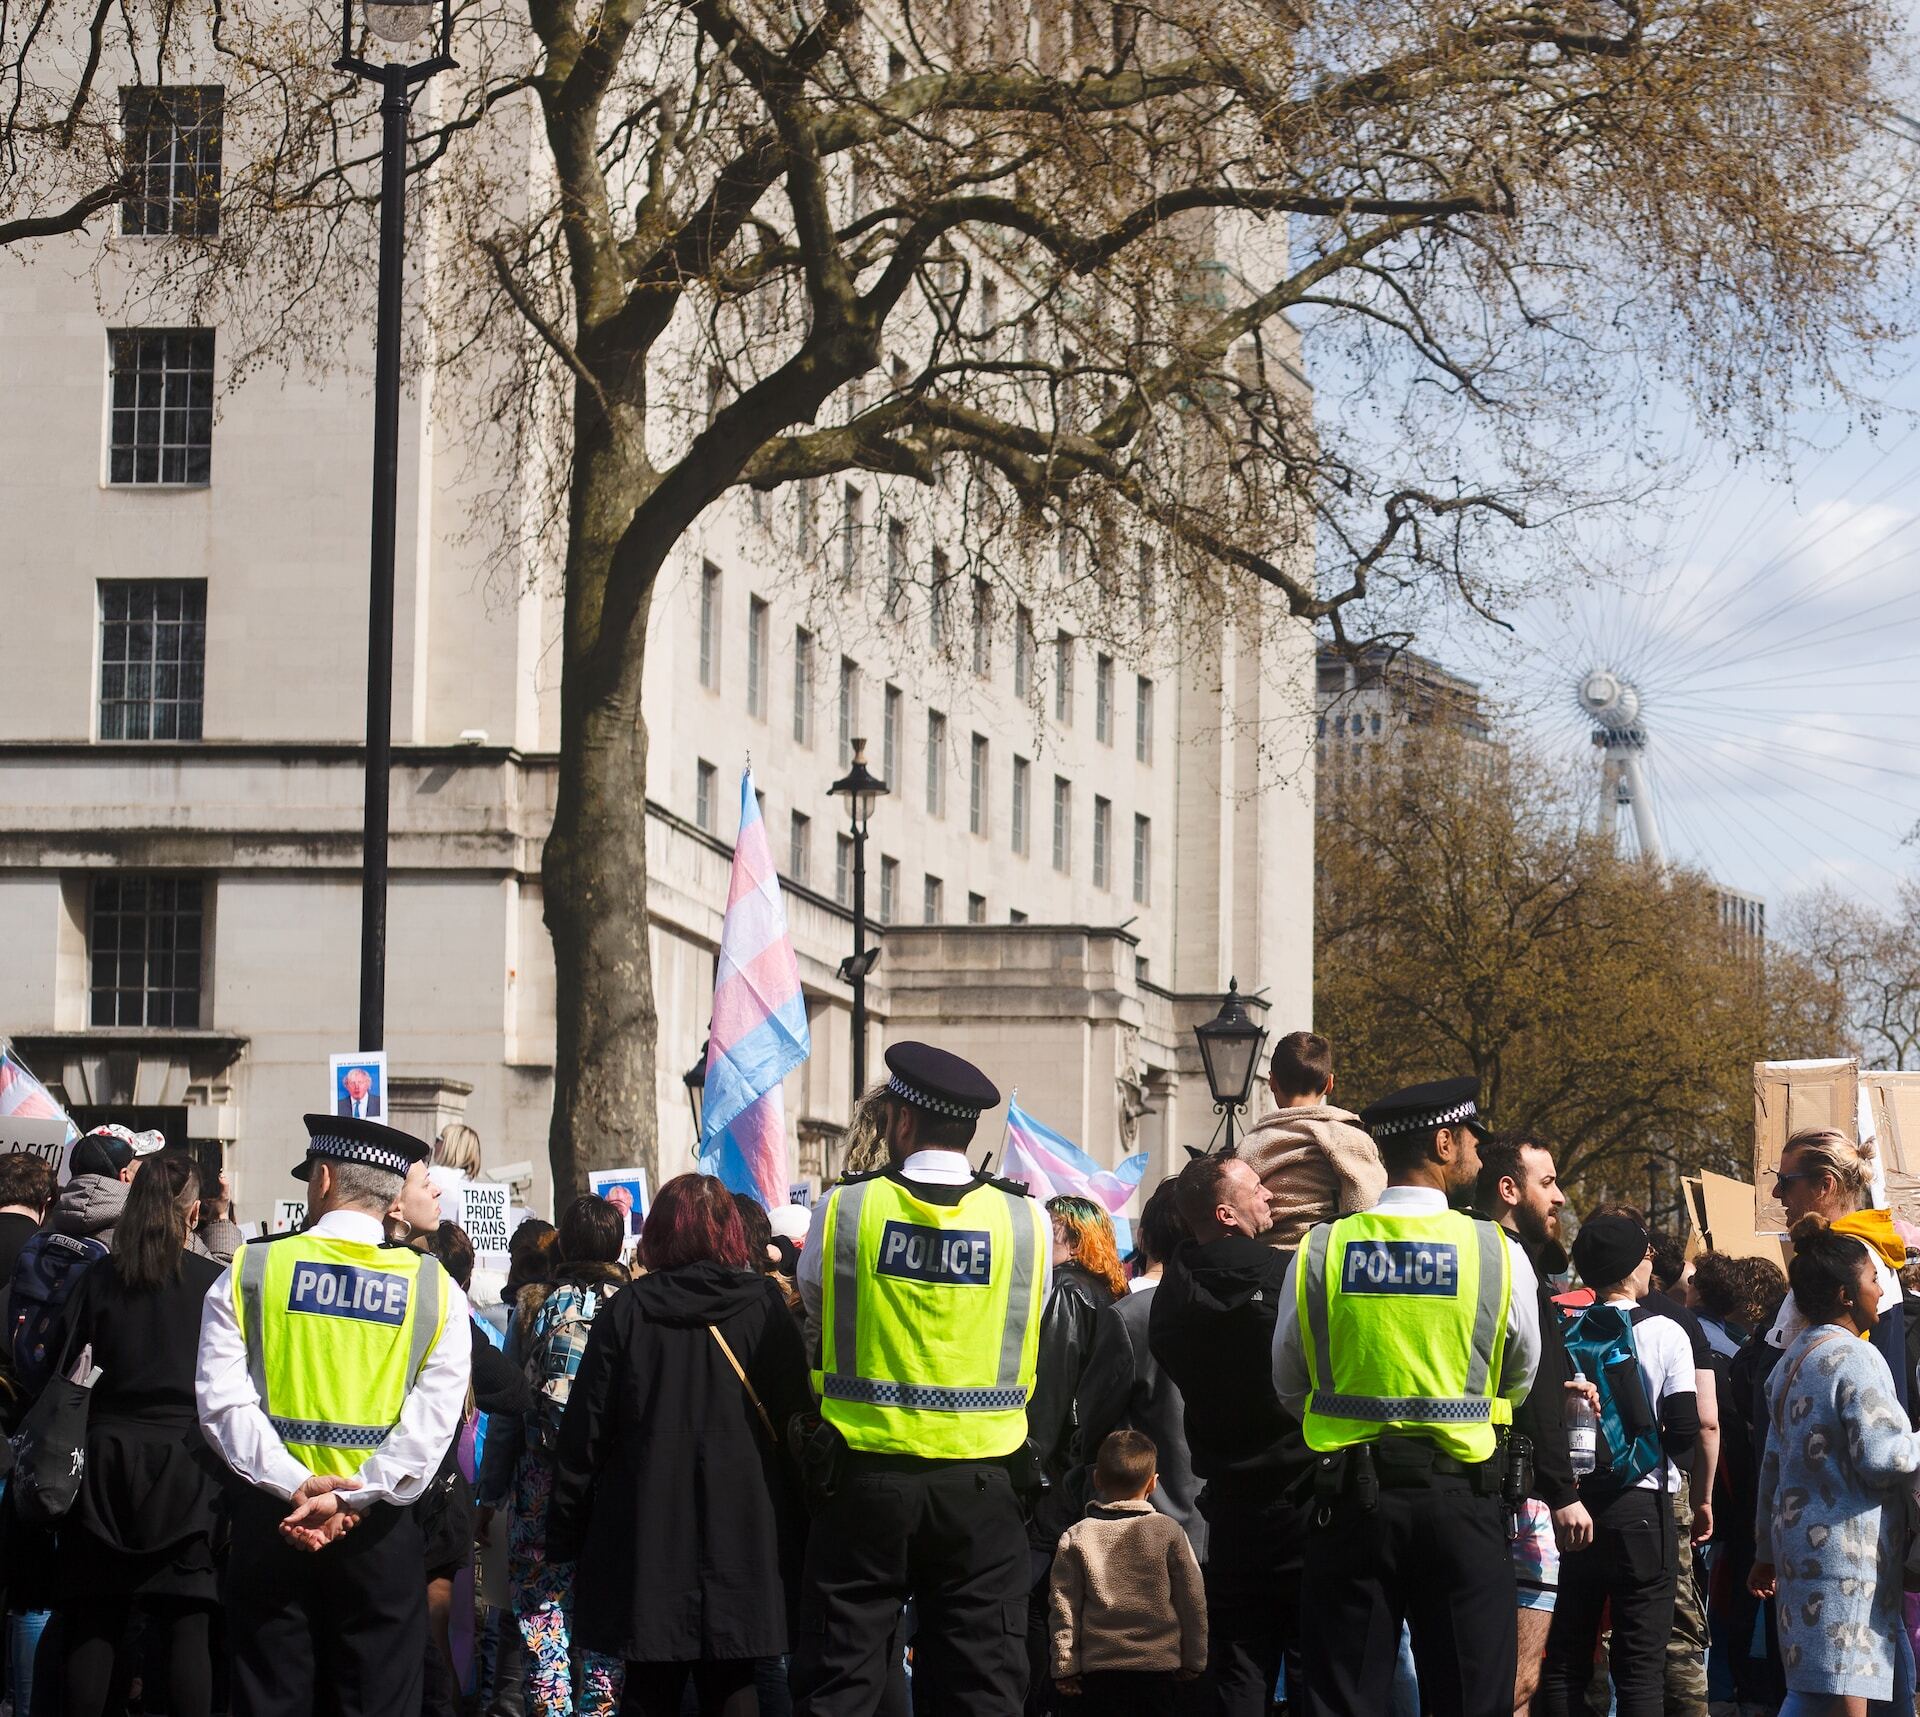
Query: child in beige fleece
pixel 1129 1611
pixel 1316 1162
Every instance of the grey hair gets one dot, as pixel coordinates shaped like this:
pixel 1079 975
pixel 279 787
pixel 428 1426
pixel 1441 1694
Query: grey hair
pixel 362 1186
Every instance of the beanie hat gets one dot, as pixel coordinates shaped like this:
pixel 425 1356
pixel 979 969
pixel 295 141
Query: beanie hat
pixel 1608 1249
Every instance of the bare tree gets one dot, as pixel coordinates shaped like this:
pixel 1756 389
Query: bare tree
pixel 1873 959
pixel 1057 266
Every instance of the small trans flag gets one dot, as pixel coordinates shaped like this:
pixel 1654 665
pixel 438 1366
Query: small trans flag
pixel 759 1032
pixel 1051 1165
pixel 23 1095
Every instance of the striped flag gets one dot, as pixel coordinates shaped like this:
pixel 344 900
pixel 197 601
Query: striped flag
pixel 23 1095
pixel 1052 1165
pixel 759 1032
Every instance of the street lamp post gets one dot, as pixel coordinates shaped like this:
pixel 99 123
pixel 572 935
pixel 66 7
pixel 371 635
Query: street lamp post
pixel 1230 1051
pixel 860 787
pixel 398 22
pixel 695 1080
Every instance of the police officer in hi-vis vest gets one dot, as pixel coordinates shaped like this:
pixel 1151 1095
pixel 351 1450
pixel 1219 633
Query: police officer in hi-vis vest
pixel 1405 1336
pixel 923 1284
pixel 333 1371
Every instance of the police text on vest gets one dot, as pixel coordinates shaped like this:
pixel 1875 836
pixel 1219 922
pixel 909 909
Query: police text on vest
pixel 347 1291
pixel 1400 1267
pixel 954 1257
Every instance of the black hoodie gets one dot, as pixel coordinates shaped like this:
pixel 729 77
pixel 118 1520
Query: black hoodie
pixel 1211 1329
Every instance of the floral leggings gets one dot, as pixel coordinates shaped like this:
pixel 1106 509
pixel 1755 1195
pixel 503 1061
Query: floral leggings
pixel 542 1593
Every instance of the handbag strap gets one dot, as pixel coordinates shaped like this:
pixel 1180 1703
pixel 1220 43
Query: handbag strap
pixel 1786 1388
pixel 740 1372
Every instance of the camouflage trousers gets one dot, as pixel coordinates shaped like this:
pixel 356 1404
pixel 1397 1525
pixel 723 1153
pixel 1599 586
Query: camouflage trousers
pixel 1687 1644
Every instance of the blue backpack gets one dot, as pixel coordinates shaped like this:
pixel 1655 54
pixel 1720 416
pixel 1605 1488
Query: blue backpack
pixel 1600 1343
pixel 43 1280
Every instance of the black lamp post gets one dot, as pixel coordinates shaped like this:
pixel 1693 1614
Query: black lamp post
pixel 860 787
pixel 399 23
pixel 1230 1052
pixel 695 1080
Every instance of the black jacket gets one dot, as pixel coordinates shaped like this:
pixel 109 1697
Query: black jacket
pixel 1074 1303
pixel 665 1485
pixel 1211 1329
pixel 1542 1416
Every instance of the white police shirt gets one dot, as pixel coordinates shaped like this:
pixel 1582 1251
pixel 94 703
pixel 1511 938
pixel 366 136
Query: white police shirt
pixel 236 1422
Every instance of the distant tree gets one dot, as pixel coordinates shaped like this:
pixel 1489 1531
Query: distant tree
pixel 1872 958
pixel 1467 923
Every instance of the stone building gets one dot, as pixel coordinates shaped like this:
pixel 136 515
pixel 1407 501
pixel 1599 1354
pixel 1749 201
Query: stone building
pixel 1077 852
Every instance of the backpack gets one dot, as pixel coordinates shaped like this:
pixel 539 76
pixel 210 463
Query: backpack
pixel 1600 1344
pixel 43 1281
pixel 555 1344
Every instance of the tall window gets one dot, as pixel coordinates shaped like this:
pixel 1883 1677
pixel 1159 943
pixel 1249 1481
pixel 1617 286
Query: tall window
pixel 843 869
pixel 1102 842
pixel 890 738
pixel 1022 651
pixel 153 654
pixel 976 909
pixel 143 949
pixel 989 305
pixel 932 900
pixel 709 625
pixel 1063 678
pixel 982 628
pixel 173 160
pixel 977 786
pixel 802 686
pixel 937 618
pixel 706 782
pixel 806 500
pixel 1146 590
pixel 1022 789
pixel 896 560
pixel 1143 719
pixel 162 416
pixel 1103 700
pixel 799 847
pixel 758 624
pixel 853 526
pixel 936 764
pixel 1062 825
pixel 1142 861
pixel 849 707
pixel 889 888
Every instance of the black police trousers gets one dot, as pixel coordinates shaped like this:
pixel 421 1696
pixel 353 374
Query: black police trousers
pixel 1435 1557
pixel 1252 1576
pixel 339 1632
pixel 946 1534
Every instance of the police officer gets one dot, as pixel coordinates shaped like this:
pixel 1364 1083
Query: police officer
pixel 924 1283
pixel 333 1370
pixel 1405 1337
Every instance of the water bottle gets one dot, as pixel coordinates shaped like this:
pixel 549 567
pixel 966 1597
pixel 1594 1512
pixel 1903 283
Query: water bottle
pixel 1583 1430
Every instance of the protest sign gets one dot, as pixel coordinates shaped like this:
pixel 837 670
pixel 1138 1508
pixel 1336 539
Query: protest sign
pixel 483 1214
pixel 1789 1097
pixel 43 1136
pixel 626 1188
pixel 357 1085
pixel 1729 1208
pixel 801 1192
pixel 1892 1105
pixel 289 1214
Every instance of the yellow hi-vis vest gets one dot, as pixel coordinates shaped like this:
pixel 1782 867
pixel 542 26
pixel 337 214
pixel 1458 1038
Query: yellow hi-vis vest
pixel 337 1332
pixel 1406 1323
pixel 929 1316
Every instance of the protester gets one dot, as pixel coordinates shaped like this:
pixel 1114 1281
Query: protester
pixel 671 1486
pixel 416 1207
pixel 27 1187
pixel 1519 1188
pixel 1830 1525
pixel 1127 1608
pixel 1124 1388
pixel 456 1157
pixel 1315 1160
pixel 548 1341
pixel 1630 1570
pixel 141 1531
pixel 1210 1328
pixel 218 1237
pixel 102 1168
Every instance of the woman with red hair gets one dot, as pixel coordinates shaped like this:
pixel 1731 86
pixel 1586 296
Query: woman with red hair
pixel 671 1482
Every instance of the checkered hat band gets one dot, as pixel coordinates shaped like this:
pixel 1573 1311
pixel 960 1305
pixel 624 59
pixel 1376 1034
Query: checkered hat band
pixel 939 1105
pixel 1416 1123
pixel 358 1151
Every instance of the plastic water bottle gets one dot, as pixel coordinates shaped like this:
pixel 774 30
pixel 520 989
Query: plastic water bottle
pixel 1583 1431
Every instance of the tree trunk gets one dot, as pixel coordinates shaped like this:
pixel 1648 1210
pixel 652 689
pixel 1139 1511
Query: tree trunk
pixel 594 871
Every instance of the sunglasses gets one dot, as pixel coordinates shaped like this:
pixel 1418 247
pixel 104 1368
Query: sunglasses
pixel 1798 1174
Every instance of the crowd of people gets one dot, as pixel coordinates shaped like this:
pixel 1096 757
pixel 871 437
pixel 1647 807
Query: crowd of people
pixel 1354 1429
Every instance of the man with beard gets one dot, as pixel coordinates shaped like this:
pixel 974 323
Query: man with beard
pixel 1519 1189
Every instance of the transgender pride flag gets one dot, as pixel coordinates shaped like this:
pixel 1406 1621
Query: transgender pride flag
pixel 1052 1164
pixel 23 1095
pixel 759 1032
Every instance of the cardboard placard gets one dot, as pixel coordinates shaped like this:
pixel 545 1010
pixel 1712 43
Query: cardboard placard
pixel 483 1214
pixel 1789 1097
pixel 1729 1208
pixel 42 1136
pixel 1892 1105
